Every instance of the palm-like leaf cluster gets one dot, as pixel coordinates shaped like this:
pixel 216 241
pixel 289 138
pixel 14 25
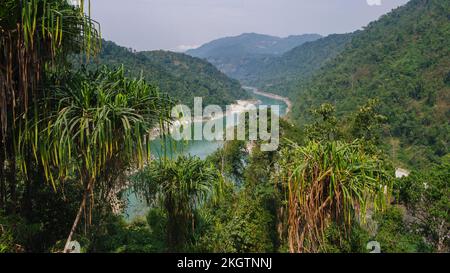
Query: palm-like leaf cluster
pixel 35 34
pixel 100 116
pixel 35 38
pixel 179 186
pixel 326 182
pixel 95 124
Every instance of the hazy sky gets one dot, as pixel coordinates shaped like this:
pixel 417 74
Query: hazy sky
pixel 182 24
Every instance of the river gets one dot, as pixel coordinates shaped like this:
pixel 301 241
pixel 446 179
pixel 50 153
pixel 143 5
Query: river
pixel 138 208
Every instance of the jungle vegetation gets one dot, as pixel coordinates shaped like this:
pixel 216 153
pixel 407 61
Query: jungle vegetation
pixel 180 76
pixel 402 59
pixel 75 139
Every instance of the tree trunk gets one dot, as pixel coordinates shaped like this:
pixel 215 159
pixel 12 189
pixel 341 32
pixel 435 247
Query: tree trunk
pixel 2 178
pixel 26 201
pixel 442 236
pixel 78 217
pixel 10 174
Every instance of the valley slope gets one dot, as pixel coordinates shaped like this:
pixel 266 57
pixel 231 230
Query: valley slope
pixel 181 76
pixel 284 74
pixel 403 59
pixel 232 55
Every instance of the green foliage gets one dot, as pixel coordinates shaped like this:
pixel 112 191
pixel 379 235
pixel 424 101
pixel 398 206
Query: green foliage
pixel 100 118
pixel 140 236
pixel 260 166
pixel 231 160
pixel 285 74
pixel 240 56
pixel 238 224
pixel 181 76
pixel 244 219
pixel 395 236
pixel 330 181
pixel 325 127
pixel 402 59
pixel 51 224
pixel 336 241
pixel 313 195
pixel 37 34
pixel 7 240
pixel 179 186
pixel 426 194
pixel 93 128
pixel 17 235
pixel 366 124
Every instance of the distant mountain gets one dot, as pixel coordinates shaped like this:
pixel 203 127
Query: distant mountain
pixel 285 73
pixel 403 59
pixel 231 54
pixel 181 76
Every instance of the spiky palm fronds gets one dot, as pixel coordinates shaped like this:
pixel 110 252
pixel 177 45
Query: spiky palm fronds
pixel 94 121
pixel 35 34
pixel 179 186
pixel 325 182
pixel 99 116
pixel 35 37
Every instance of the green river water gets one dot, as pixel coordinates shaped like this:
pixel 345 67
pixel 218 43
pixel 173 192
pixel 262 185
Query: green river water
pixel 136 207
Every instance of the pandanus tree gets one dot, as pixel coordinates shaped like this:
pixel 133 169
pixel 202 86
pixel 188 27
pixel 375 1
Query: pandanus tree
pixel 99 129
pixel 35 36
pixel 179 186
pixel 329 182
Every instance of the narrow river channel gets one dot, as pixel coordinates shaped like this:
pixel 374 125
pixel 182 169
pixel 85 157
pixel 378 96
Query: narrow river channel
pixel 137 208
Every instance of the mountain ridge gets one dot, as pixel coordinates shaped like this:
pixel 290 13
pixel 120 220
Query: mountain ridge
pixel 403 59
pixel 228 54
pixel 282 74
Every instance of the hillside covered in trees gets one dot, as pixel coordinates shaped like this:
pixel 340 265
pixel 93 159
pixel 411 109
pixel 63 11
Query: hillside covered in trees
pixel 181 76
pixel 232 55
pixel 402 59
pixel 76 143
pixel 283 74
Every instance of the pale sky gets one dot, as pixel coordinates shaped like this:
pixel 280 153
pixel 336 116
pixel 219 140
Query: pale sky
pixel 182 24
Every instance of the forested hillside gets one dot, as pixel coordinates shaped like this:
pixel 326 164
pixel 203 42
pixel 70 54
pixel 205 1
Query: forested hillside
pixel 179 75
pixel 232 55
pixel 284 74
pixel 404 60
pixel 77 149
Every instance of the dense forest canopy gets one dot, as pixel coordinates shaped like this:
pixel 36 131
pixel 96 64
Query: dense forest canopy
pixel 283 74
pixel 181 76
pixel 77 115
pixel 401 59
pixel 232 55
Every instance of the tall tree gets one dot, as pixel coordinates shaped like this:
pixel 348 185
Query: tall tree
pixel 100 127
pixel 35 36
pixel 180 186
pixel 328 182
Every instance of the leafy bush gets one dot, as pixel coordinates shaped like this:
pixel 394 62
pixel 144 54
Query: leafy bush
pixel 395 236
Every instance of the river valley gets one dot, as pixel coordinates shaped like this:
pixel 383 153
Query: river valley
pixel 138 208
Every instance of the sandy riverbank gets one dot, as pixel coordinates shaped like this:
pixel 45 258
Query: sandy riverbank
pixel 237 108
pixel 240 106
pixel 272 96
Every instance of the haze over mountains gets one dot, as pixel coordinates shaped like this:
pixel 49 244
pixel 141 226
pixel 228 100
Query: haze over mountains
pixel 94 160
pixel 281 74
pixel 231 54
pixel 402 59
pixel 272 63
